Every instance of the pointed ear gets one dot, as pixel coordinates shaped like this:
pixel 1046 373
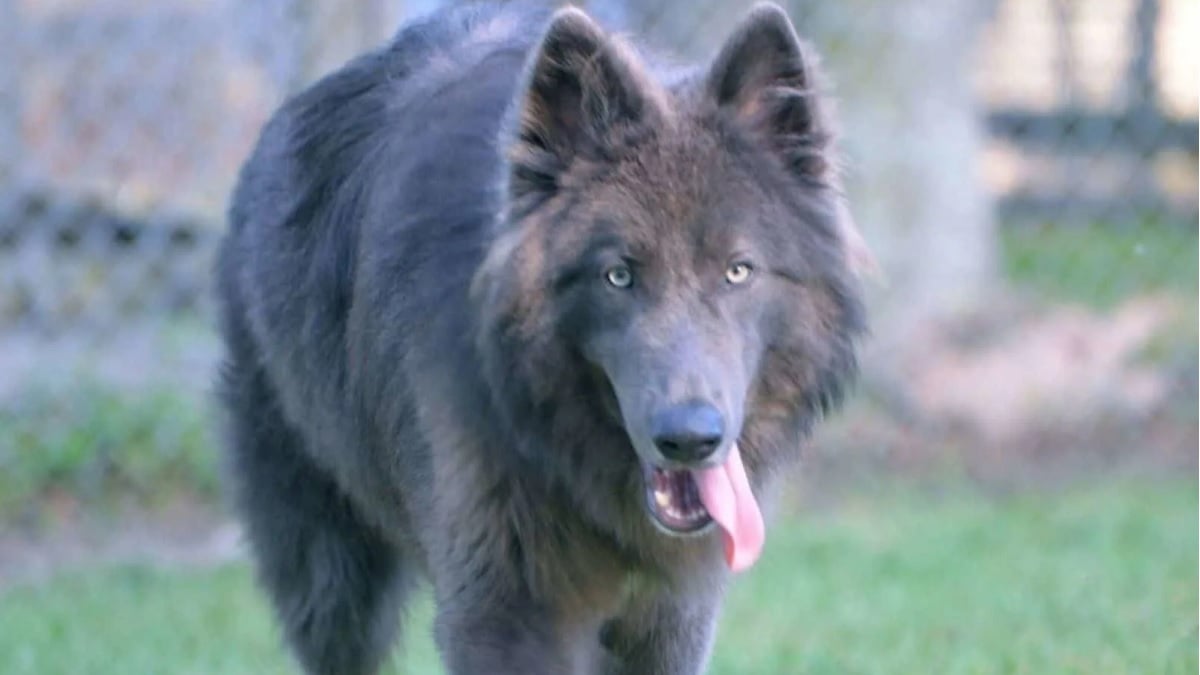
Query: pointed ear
pixel 582 92
pixel 766 79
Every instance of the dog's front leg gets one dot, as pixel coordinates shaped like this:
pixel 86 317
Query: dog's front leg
pixel 665 635
pixel 500 639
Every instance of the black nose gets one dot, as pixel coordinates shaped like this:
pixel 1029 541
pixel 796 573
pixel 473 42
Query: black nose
pixel 689 432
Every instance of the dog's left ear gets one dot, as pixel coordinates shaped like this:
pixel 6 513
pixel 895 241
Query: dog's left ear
pixel 767 79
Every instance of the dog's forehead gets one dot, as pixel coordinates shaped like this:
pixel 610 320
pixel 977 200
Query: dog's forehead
pixel 686 157
pixel 683 195
pixel 684 189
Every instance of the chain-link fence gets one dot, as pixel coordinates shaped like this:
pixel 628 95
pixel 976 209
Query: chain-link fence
pixel 1025 169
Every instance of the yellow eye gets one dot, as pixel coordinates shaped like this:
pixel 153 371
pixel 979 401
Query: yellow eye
pixel 738 273
pixel 620 276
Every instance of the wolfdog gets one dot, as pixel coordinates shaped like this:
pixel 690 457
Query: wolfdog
pixel 512 305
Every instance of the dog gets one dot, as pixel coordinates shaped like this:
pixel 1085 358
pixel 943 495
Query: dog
pixel 514 306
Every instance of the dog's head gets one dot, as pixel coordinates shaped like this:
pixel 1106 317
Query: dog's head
pixel 675 263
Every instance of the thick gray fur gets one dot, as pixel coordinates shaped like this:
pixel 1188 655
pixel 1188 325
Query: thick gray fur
pixel 427 376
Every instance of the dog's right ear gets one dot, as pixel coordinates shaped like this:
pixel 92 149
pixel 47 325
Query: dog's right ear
pixel 582 91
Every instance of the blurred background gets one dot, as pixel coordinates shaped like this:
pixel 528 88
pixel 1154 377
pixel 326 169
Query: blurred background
pixel 1013 487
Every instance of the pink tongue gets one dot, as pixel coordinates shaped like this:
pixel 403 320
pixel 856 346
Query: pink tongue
pixel 725 492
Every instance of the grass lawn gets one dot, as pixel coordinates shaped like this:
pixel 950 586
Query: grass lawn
pixel 1098 579
pixel 1101 265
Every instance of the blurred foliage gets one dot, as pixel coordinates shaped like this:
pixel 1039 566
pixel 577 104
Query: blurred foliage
pixel 1101 265
pixel 99 445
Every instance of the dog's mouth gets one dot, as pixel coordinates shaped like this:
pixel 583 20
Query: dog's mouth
pixel 673 499
pixel 688 501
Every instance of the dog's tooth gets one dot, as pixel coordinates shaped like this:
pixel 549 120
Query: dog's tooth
pixel 663 499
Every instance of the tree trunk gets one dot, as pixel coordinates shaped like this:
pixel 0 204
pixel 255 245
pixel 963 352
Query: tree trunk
pixel 913 137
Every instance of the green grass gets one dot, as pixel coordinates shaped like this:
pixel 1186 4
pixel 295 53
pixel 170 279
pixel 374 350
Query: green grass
pixel 1101 265
pixel 1093 580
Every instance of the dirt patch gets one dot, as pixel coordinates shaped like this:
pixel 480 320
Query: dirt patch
pixel 1023 396
pixel 182 534
pixel 1063 367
